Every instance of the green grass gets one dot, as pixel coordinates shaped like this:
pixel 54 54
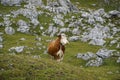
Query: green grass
pixel 7 9
pixel 113 4
pixel 26 66
pixel 20 67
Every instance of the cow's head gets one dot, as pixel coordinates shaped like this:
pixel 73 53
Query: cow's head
pixel 63 39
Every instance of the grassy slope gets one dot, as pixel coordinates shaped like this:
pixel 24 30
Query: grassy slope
pixel 112 5
pixel 20 67
pixel 24 66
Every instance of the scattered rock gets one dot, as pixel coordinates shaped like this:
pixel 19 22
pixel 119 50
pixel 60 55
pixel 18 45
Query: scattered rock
pixel 35 2
pixel 99 42
pixel 114 13
pixel 110 72
pixel 61 6
pixel 1 39
pixel 86 56
pixel 36 56
pixel 11 2
pixel 64 30
pixel 96 35
pixel 74 38
pixel 97 62
pixel 9 30
pixel 23 27
pixel 104 53
pixel 52 30
pixel 22 39
pixel 76 31
pixel 35 22
pixel 117 53
pixel 1 46
pixel 68 5
pixel 118 60
pixel 18 49
pixel 58 21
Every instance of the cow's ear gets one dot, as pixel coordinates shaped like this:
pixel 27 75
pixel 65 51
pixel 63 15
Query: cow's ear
pixel 59 35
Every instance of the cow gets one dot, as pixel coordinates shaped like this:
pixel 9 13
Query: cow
pixel 56 48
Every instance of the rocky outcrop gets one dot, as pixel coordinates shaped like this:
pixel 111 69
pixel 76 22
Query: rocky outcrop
pixel 9 30
pixel 23 26
pixel 96 59
pixel 11 2
pixel 61 6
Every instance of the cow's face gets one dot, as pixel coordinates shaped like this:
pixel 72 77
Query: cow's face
pixel 63 39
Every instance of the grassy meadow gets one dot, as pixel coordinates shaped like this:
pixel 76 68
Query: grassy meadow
pixel 35 64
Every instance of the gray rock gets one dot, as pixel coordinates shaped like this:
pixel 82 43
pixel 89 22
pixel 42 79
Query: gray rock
pixel 118 45
pixel 38 44
pixel 9 30
pixel 29 12
pixel 76 31
pixel 18 49
pixel 1 33
pixel 109 72
pixel 68 5
pixel 96 35
pixel 1 46
pixel 118 60
pixel 7 22
pixel 117 53
pixel 35 22
pixel 97 62
pixel 22 39
pixel 23 27
pixel 36 56
pixel 99 42
pixel 86 56
pixel 61 6
pixel 85 15
pixel 99 12
pixel 115 30
pixel 1 39
pixel 50 29
pixel 91 20
pixel 58 21
pixel 63 30
pixel 22 23
pixel 113 42
pixel 11 2
pixel 74 38
pixel 55 30
pixel 114 13
pixel 36 2
pixel 99 19
pixel 104 53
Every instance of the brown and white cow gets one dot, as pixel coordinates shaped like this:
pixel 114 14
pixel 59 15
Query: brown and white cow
pixel 56 48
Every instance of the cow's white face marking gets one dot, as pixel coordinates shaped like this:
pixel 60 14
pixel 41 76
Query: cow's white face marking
pixel 64 39
pixel 60 53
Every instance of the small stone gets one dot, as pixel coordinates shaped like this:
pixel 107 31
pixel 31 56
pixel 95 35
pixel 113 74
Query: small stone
pixel 9 30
